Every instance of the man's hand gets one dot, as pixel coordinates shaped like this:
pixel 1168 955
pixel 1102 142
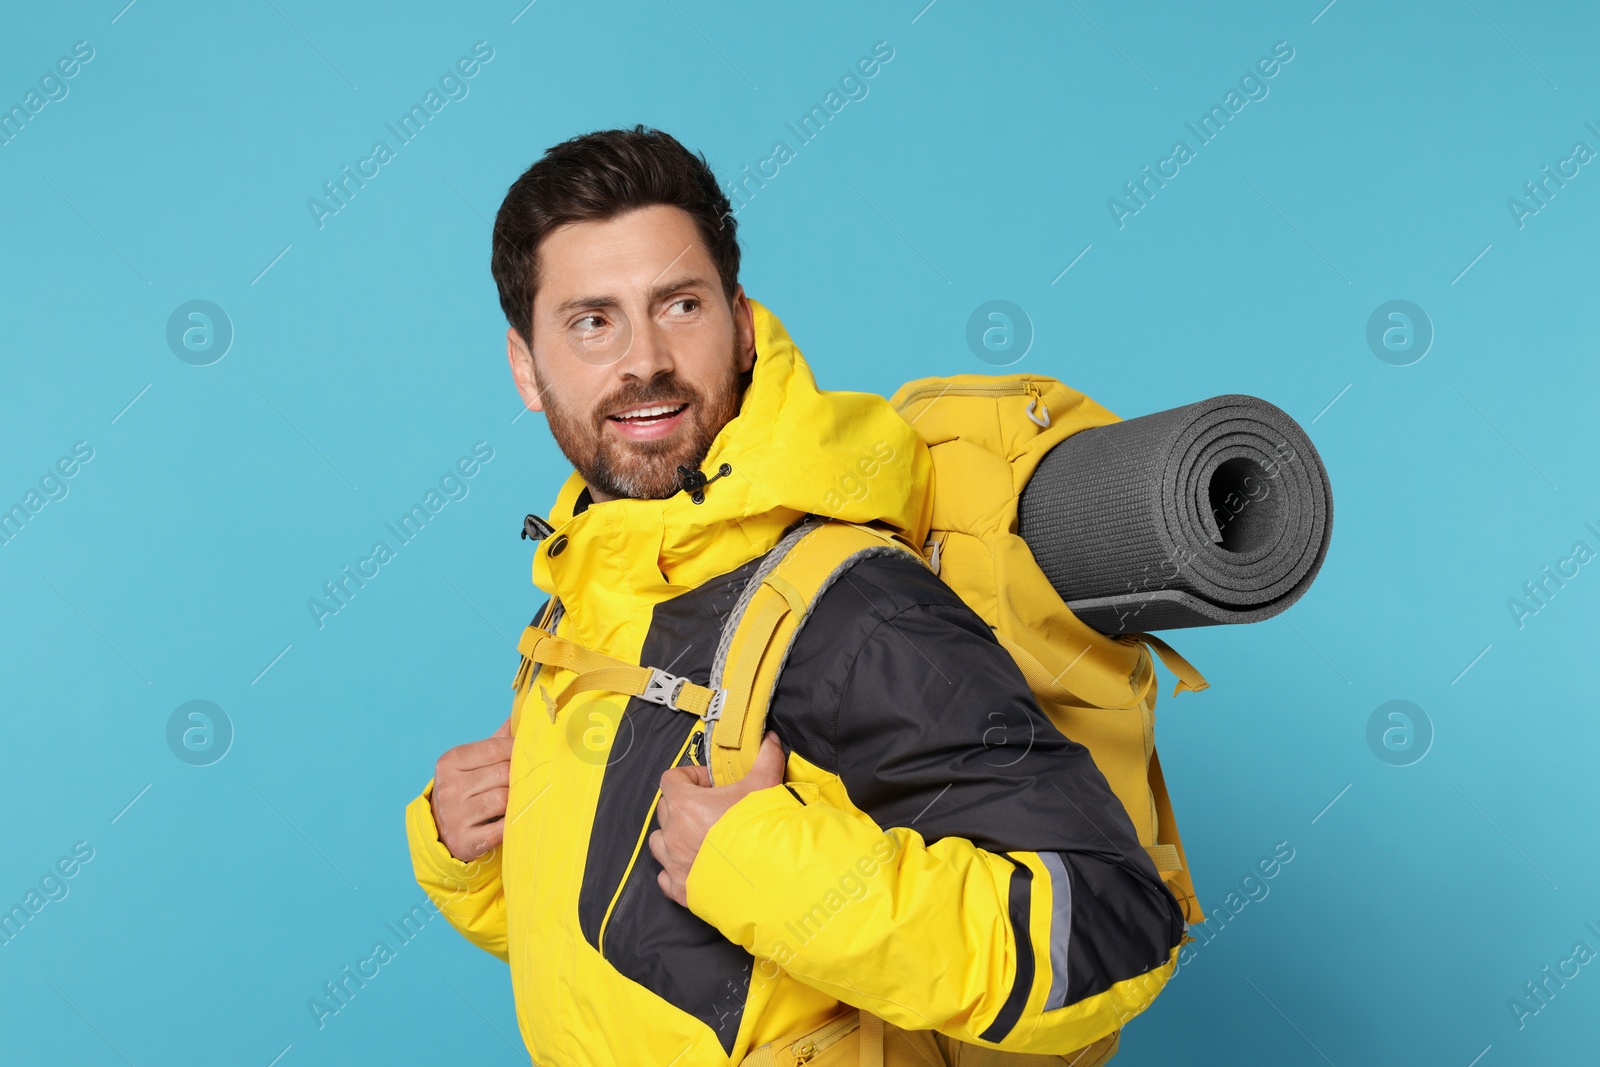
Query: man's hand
pixel 470 786
pixel 690 804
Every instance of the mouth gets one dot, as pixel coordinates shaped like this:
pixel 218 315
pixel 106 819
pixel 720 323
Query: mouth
pixel 645 421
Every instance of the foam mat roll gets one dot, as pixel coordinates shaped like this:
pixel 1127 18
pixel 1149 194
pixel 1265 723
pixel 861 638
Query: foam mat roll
pixel 1215 512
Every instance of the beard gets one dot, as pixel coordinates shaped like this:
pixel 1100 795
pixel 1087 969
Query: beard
pixel 643 470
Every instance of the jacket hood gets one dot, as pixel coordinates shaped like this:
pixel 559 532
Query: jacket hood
pixel 793 449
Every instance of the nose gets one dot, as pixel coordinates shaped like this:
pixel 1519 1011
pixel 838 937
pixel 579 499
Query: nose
pixel 650 354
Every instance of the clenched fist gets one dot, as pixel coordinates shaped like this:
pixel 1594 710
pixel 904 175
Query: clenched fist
pixel 470 786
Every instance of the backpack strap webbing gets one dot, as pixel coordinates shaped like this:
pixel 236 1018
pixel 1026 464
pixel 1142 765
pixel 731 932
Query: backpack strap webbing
pixel 596 670
pixel 768 615
pixel 1189 678
pixel 1170 861
pixel 767 618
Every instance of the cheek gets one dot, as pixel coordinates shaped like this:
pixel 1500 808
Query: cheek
pixel 710 360
pixel 721 399
pixel 573 402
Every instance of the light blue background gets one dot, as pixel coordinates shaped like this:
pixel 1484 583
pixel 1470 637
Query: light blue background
pixel 369 357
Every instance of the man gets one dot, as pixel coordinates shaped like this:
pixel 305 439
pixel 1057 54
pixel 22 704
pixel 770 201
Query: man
pixel 879 854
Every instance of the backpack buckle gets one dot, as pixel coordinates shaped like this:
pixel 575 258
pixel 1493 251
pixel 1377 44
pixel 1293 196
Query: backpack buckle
pixel 663 688
pixel 714 709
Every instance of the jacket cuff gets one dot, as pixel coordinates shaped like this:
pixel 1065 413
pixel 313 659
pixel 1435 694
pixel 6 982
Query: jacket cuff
pixel 434 863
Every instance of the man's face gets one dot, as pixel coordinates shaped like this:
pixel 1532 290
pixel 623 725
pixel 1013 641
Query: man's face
pixel 630 316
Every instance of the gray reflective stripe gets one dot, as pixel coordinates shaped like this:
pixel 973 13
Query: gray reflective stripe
pixel 1060 927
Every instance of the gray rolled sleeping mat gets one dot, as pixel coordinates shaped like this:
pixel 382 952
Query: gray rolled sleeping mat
pixel 1216 512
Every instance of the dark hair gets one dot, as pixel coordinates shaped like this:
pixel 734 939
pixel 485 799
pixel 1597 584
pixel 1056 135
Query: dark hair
pixel 599 176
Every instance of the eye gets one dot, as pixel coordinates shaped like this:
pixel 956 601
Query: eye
pixel 596 319
pixel 692 300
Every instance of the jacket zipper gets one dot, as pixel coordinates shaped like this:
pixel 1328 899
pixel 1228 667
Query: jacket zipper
pixel 689 745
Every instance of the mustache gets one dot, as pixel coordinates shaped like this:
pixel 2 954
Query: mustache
pixel 669 392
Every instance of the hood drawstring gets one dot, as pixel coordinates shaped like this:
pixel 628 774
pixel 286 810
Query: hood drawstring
pixel 695 481
pixel 535 528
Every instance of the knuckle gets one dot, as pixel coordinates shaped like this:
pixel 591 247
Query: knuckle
pixel 492 802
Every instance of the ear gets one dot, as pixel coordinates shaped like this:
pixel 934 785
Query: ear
pixel 521 359
pixel 744 329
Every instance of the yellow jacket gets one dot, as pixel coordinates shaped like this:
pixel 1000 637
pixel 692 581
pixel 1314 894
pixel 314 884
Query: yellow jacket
pixel 904 867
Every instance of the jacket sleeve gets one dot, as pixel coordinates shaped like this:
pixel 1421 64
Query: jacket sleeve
pixel 978 877
pixel 470 895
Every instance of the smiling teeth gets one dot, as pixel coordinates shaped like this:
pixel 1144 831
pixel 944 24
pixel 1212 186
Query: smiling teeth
pixel 644 413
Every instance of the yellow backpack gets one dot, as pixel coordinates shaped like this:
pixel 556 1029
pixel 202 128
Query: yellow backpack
pixel 987 435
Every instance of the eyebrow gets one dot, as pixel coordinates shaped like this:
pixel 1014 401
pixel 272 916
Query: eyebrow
pixel 657 293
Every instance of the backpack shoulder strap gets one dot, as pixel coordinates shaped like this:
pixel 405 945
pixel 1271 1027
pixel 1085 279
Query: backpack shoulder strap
pixel 764 623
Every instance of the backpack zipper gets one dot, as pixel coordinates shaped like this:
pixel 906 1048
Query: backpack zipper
pixel 975 389
pixel 806 1049
pixel 1036 409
